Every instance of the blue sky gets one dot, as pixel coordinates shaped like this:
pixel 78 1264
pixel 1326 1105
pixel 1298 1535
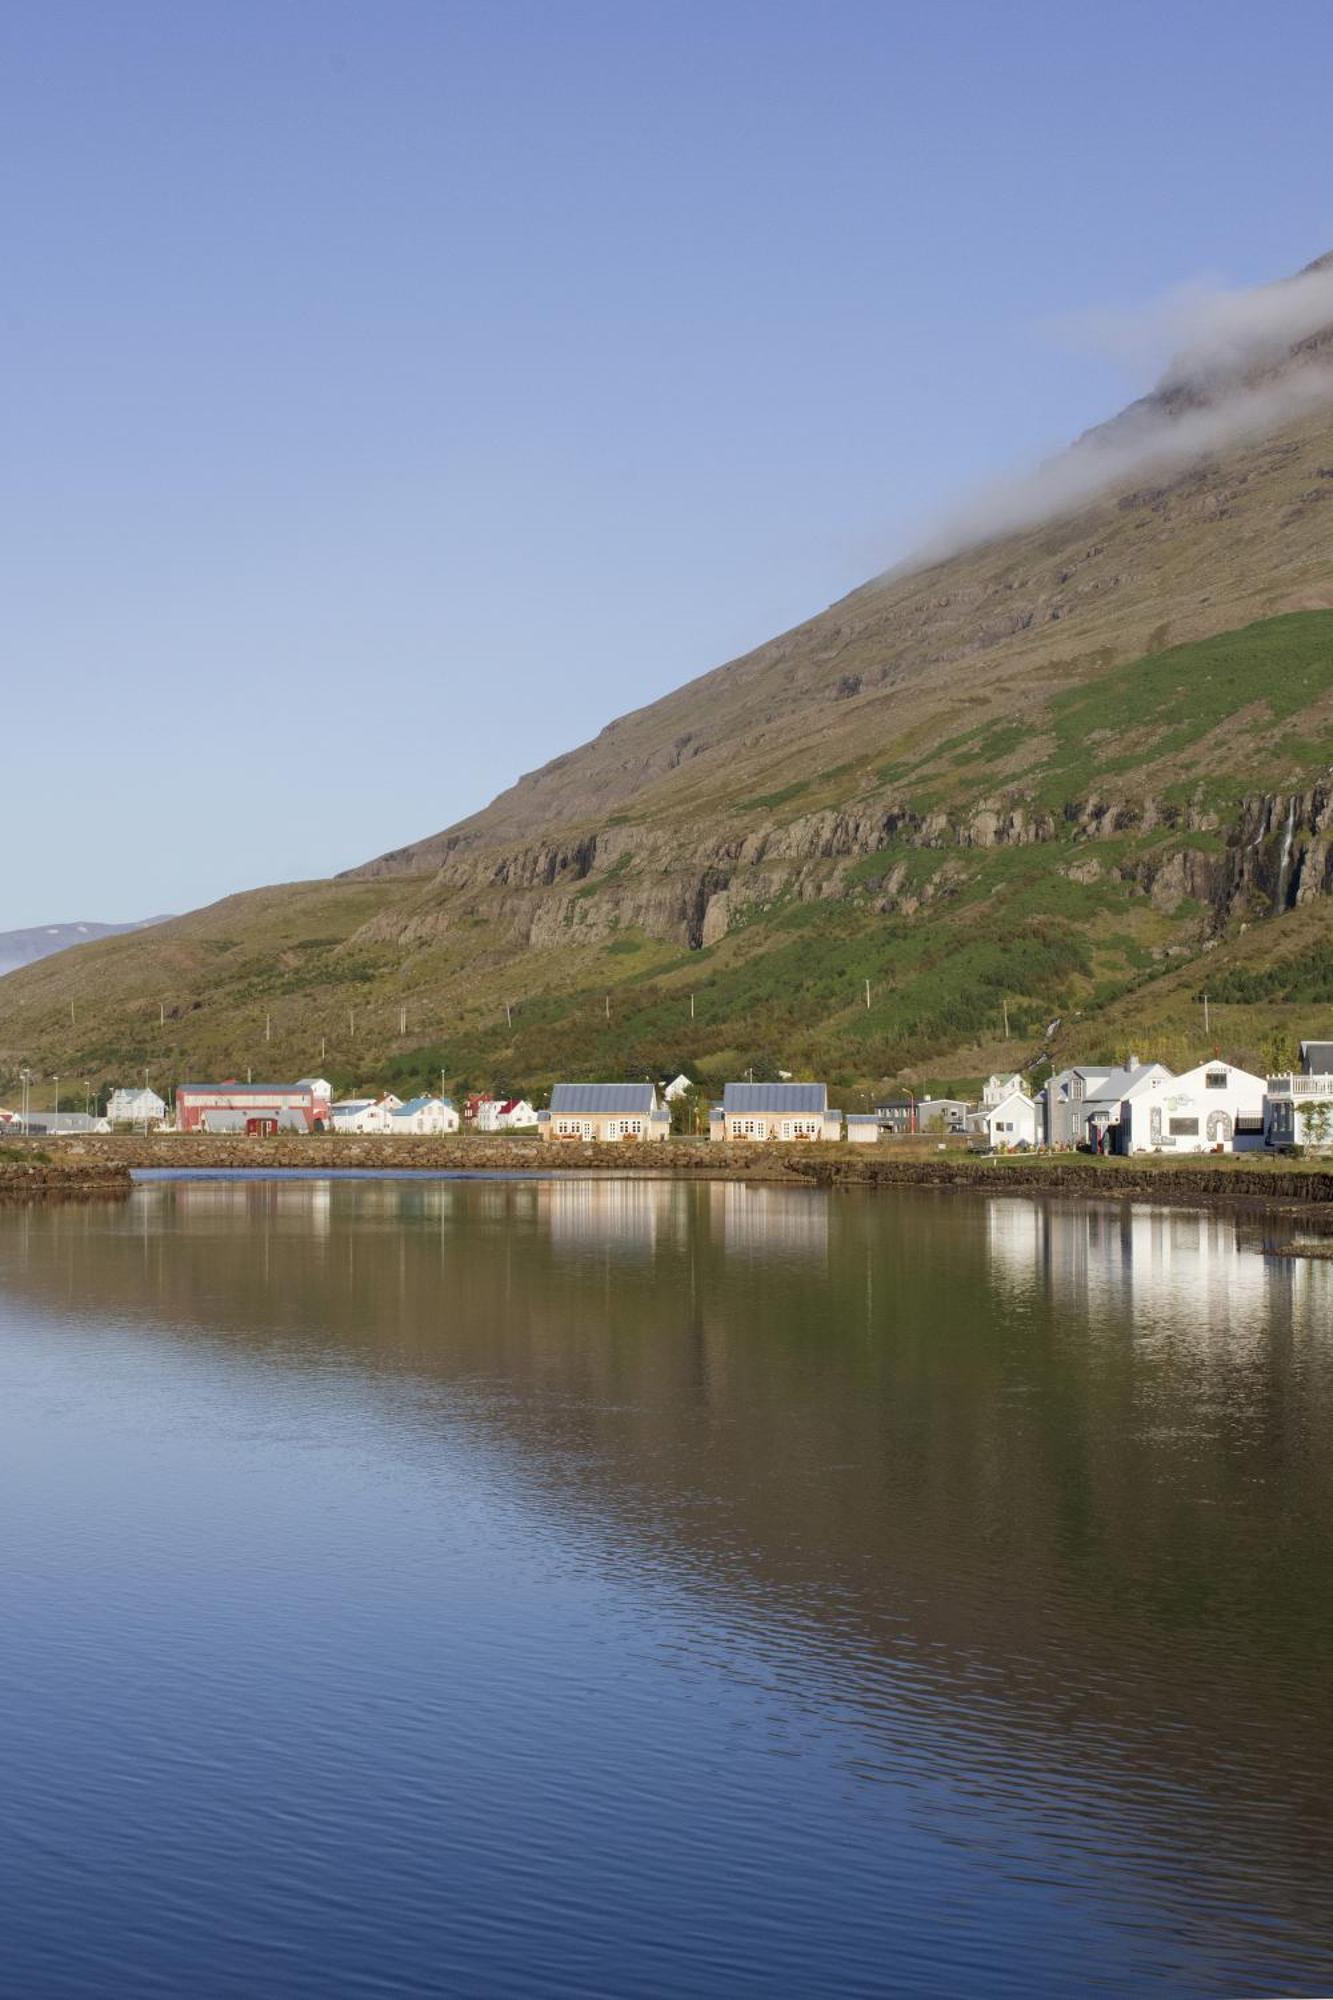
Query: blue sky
pixel 392 394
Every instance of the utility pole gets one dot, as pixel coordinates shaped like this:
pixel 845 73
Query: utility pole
pixel 509 1017
pixel 161 1013
pixel 402 1020
pixel 321 1049
pixel 608 1006
pixel 56 1081
pixel 71 1011
pixel 351 1022
pixel 691 1006
pixel 1205 1017
pixel 268 1027
pixel 1005 1004
pixel 867 996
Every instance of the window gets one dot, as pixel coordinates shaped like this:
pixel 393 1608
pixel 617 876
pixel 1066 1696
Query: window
pixel 1216 1079
pixel 1184 1128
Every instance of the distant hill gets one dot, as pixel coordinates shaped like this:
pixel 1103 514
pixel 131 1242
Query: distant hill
pixel 1066 777
pixel 26 947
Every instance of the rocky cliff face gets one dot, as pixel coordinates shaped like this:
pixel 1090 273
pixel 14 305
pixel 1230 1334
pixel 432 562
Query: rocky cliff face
pixel 1273 853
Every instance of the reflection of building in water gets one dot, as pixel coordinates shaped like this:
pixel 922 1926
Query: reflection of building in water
pixel 1182 1272
pixel 627 1216
pixel 770 1222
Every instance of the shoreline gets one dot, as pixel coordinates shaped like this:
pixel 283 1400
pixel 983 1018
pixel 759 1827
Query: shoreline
pixel 106 1165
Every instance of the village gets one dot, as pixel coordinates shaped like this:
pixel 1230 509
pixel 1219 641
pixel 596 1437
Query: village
pixel 1138 1107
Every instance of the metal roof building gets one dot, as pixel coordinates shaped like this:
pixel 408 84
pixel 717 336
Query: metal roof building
pixel 596 1100
pixel 786 1099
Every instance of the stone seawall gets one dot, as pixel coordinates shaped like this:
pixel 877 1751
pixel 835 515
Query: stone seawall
pixel 104 1162
pixel 28 1172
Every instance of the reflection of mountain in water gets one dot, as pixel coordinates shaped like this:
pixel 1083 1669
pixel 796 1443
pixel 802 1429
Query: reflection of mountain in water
pixel 1057 1476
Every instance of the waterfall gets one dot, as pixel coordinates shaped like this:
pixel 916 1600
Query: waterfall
pixel 1284 861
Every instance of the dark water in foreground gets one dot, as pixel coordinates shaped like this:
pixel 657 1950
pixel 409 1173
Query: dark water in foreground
pixel 641 1588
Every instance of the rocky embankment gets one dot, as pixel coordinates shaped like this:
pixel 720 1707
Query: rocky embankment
pixel 27 1172
pixel 105 1162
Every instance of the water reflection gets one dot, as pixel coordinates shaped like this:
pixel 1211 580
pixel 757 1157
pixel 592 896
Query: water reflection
pixel 1028 1507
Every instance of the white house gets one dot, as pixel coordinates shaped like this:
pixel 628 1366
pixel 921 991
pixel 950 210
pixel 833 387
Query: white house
pixel 1105 1128
pixel 862 1128
pixel 361 1114
pixel 774 1111
pixel 319 1086
pixel 997 1088
pixel 1210 1109
pixel 505 1114
pixel 1012 1122
pixel 135 1107
pixel 676 1088
pixel 424 1114
pixel 1298 1108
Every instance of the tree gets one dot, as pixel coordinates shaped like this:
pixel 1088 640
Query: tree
pixel 1317 1122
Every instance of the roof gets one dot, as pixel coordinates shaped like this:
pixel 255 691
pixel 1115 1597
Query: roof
pixel 781 1097
pixel 247 1089
pixel 589 1099
pixel 1002 1104
pixel 413 1104
pixel 349 1104
pixel 1318 1058
pixel 1120 1082
pixel 862 1118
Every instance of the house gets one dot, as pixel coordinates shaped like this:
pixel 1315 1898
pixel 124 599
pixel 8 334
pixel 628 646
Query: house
pixel 422 1115
pixel 1298 1109
pixel 362 1114
pixel 604 1111
pixel 1214 1108
pixel 319 1086
pixel 939 1115
pixel 1104 1106
pixel 1062 1098
pixel 473 1105
pixel 505 1114
pixel 136 1107
pixel 1013 1121
pixel 678 1087
pixel 897 1114
pixel 784 1111
pixel 862 1128
pixel 997 1088
pixel 257 1109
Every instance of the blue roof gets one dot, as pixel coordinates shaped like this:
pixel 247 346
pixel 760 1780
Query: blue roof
pixel 783 1098
pixel 590 1099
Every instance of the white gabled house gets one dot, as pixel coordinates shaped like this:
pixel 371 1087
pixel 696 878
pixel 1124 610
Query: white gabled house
pixel 423 1115
pixel 136 1106
pixel 997 1088
pixel 1105 1128
pixel 1012 1121
pixel 1213 1108
pixel 360 1114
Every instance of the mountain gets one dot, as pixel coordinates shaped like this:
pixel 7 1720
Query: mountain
pixel 26 947
pixel 1051 782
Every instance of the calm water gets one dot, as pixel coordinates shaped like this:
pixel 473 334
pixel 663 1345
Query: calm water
pixel 622 1588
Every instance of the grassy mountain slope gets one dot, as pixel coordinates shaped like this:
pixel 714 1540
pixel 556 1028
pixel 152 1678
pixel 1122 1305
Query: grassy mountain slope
pixel 1055 776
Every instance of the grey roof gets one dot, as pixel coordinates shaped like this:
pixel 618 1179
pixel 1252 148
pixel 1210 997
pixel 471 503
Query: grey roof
pixel 591 1099
pixel 1117 1085
pixel 780 1097
pixel 862 1118
pixel 247 1089
pixel 1318 1058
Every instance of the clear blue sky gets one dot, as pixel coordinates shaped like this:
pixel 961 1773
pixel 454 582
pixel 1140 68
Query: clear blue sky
pixel 393 393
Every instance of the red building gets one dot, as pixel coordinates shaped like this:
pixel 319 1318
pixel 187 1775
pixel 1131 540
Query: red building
pixel 256 1109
